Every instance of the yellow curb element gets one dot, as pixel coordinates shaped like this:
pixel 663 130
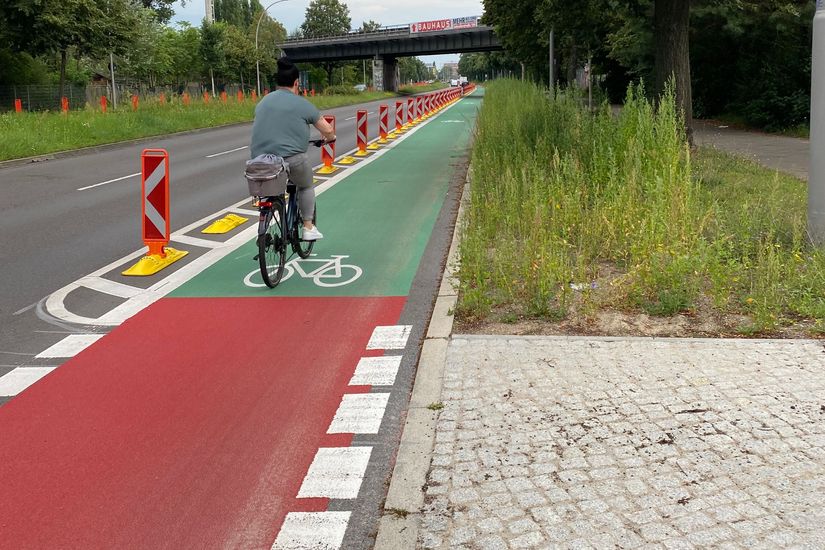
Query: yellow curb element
pixel 347 160
pixel 225 224
pixel 374 145
pixel 151 264
pixel 327 170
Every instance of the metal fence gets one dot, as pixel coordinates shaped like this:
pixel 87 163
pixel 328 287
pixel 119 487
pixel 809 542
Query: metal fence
pixel 35 97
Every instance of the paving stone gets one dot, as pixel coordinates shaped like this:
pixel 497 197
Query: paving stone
pixel 634 443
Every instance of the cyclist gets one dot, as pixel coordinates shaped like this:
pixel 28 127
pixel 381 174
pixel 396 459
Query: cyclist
pixel 281 127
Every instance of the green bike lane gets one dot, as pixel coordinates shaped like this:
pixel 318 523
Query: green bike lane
pixel 218 416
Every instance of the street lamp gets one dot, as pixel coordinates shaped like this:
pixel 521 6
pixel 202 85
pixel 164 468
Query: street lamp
pixel 257 28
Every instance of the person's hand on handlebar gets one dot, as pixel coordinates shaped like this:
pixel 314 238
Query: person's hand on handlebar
pixel 322 141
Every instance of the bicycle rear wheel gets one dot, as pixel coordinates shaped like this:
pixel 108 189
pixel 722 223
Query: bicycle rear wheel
pixel 272 246
pixel 303 248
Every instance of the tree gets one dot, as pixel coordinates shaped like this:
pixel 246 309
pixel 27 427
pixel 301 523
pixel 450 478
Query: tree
pixel 370 26
pixel 58 26
pixel 162 8
pixel 212 49
pixel 240 51
pixel 671 29
pixel 326 18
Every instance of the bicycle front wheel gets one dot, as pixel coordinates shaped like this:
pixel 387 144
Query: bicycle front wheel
pixel 303 248
pixel 272 246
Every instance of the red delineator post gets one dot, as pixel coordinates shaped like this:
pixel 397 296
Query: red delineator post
pixel 64 104
pixel 134 102
pixel 328 150
pixel 206 97
pixel 104 104
pixel 223 97
pixel 419 108
pixel 383 123
pixel 399 115
pixel 18 106
pixel 410 111
pixel 155 193
pixel 254 95
pixel 186 98
pixel 361 133
pixel 162 98
pixel 240 96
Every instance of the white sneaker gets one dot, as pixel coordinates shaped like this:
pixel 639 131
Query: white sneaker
pixel 312 234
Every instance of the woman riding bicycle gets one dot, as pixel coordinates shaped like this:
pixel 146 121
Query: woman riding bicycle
pixel 281 128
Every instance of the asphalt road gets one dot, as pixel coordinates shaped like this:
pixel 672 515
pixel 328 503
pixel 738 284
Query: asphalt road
pixel 55 227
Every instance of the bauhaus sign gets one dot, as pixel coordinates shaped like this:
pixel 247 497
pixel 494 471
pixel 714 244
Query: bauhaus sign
pixel 444 24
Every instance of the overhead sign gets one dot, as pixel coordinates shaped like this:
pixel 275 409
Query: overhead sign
pixel 444 24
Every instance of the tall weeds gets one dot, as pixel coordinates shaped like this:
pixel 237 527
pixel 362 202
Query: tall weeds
pixel 561 195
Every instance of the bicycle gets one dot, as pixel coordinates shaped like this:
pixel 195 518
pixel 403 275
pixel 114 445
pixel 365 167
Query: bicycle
pixel 280 224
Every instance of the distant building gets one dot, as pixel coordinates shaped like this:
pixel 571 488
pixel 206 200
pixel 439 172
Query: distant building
pixel 450 70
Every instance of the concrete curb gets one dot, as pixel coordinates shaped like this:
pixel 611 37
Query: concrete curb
pixel 401 516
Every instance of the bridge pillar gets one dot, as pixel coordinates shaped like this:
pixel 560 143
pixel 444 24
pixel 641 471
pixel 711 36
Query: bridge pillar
pixel 388 73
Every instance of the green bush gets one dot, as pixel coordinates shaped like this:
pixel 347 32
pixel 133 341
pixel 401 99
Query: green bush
pixel 340 89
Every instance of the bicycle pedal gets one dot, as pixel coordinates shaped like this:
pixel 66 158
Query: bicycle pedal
pixel 255 259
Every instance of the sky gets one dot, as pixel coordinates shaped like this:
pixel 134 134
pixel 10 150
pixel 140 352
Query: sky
pixel 291 14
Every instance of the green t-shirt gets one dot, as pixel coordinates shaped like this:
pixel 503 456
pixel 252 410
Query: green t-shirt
pixel 281 124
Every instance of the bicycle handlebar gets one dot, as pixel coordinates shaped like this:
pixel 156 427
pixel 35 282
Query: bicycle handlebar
pixel 320 142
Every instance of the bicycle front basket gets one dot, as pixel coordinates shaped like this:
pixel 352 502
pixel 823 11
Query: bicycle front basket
pixel 266 175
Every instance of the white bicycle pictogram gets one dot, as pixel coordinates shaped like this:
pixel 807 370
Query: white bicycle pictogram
pixel 330 273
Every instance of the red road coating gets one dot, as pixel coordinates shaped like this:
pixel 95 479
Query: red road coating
pixel 203 444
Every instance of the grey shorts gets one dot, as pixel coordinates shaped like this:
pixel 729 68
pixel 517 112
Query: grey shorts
pixel 300 171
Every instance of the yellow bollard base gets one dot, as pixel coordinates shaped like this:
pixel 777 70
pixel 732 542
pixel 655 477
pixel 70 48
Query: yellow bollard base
pixel 225 224
pixel 347 160
pixel 327 170
pixel 374 145
pixel 151 264
pixel 361 153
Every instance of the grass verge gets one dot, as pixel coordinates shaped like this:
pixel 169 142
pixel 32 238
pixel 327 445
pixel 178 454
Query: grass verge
pixel 31 134
pixel 574 214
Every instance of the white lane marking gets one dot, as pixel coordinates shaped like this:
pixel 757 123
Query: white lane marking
pixel 359 413
pixel 112 288
pixel 393 337
pixel 21 378
pixel 55 302
pixel 350 118
pixel 109 181
pixel 24 309
pixel 195 241
pixel 336 473
pixel 70 345
pixel 376 371
pixel 312 531
pixel 227 152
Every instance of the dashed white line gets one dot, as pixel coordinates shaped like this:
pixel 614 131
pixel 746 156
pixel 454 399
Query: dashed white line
pixel 336 473
pixel 109 181
pixel 359 413
pixel 21 378
pixel 376 371
pixel 312 531
pixel 350 118
pixel 70 345
pixel 391 337
pixel 112 288
pixel 196 241
pixel 227 152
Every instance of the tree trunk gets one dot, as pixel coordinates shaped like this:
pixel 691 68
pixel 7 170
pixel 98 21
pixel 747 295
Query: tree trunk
pixel 329 68
pixel 572 64
pixel 671 27
pixel 62 72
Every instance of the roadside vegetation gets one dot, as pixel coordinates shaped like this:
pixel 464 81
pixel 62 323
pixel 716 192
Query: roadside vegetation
pixel 31 134
pixel 574 214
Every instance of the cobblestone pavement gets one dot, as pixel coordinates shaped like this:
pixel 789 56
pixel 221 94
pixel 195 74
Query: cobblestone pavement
pixel 555 442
